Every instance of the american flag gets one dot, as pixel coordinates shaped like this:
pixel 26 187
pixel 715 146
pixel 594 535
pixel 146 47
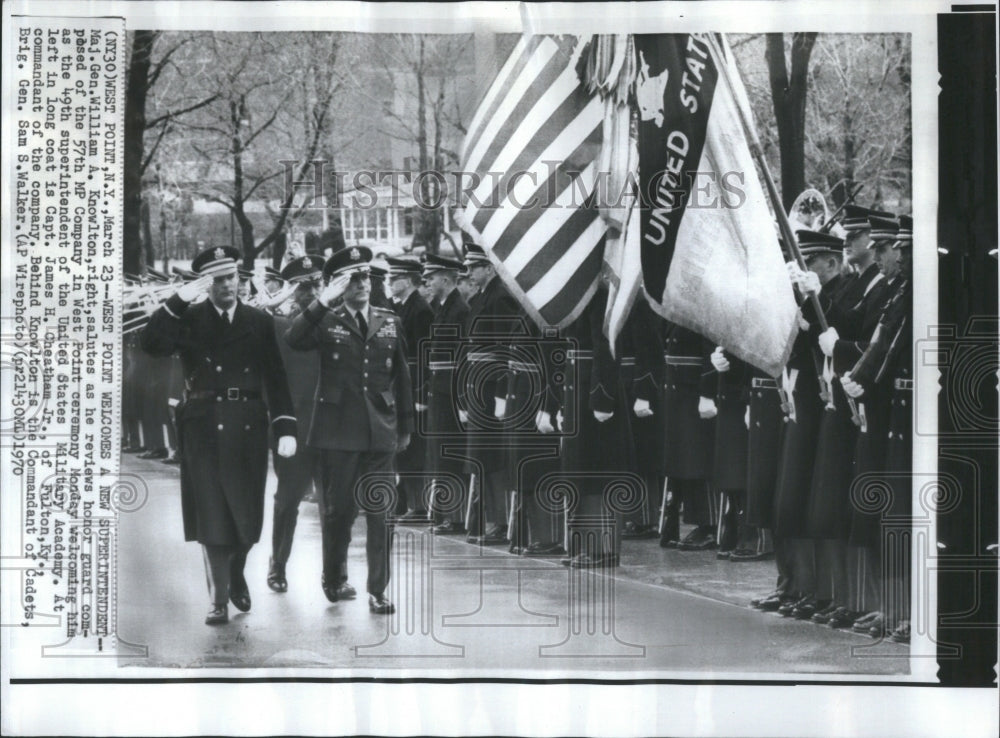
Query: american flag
pixel 534 144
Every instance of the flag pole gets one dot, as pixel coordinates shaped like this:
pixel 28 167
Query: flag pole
pixel 772 190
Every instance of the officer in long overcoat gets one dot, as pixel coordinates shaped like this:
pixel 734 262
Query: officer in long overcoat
pixel 362 416
pixel 235 388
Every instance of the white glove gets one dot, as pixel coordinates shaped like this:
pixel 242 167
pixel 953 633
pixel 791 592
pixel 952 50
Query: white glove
pixel 746 418
pixel 719 360
pixel 499 407
pixel 707 408
pixel 334 289
pixel 543 422
pixel 402 442
pixel 641 408
pixel 463 416
pixel 827 339
pixel 602 417
pixel 419 408
pixel 810 283
pixel 559 419
pixel 851 388
pixel 189 291
pixel 794 272
pixel 287 446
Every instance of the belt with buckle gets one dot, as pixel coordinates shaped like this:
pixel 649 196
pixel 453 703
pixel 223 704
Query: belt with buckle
pixel 682 360
pixel 230 393
pixel 764 383
pixel 904 384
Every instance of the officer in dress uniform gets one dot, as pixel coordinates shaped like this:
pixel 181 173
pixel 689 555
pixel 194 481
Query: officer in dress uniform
pixel 441 354
pixel 887 365
pixel 416 316
pixel 642 372
pixel 803 400
pixel 862 580
pixel 729 467
pixel 596 409
pixel 362 416
pixel 234 379
pixel 492 314
pixel 688 434
pixel 297 475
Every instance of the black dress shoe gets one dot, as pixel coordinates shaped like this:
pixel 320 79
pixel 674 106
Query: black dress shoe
pixel 276 577
pixel 413 517
pixel 330 590
pixel 700 539
pixel 842 618
pixel 810 607
pixel 633 531
pixel 787 608
pixel 345 591
pixel 543 550
pixel 598 561
pixel 379 605
pixel 448 528
pixel 172 459
pixel 133 449
pixel 240 599
pixel 865 622
pixel 723 554
pixel 748 554
pixel 493 537
pixel 877 627
pixel 902 632
pixel 156 453
pixel 822 617
pixel 218 615
pixel 772 603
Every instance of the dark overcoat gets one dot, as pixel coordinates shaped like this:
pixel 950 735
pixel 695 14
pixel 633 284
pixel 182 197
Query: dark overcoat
pixel 688 440
pixel 234 380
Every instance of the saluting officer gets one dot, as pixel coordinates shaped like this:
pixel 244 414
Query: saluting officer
pixel 363 413
pixel 441 352
pixel 298 474
pixel 416 316
pixel 234 378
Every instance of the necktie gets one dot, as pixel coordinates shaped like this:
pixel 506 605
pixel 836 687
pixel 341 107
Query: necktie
pixel 362 324
pixel 225 318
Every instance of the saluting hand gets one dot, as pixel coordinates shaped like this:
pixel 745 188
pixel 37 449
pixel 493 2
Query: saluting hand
pixel 334 289
pixel 719 360
pixel 190 291
pixel 287 445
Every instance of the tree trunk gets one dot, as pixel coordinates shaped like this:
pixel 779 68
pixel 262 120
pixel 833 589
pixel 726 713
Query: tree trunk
pixel 788 94
pixel 147 233
pixel 135 126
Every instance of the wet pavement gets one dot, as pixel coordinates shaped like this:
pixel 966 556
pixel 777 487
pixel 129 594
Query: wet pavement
pixel 463 610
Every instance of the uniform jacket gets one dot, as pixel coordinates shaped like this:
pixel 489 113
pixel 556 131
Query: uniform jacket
pixel 302 368
pixel 416 316
pixel 493 315
pixel 223 440
pixel 363 400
